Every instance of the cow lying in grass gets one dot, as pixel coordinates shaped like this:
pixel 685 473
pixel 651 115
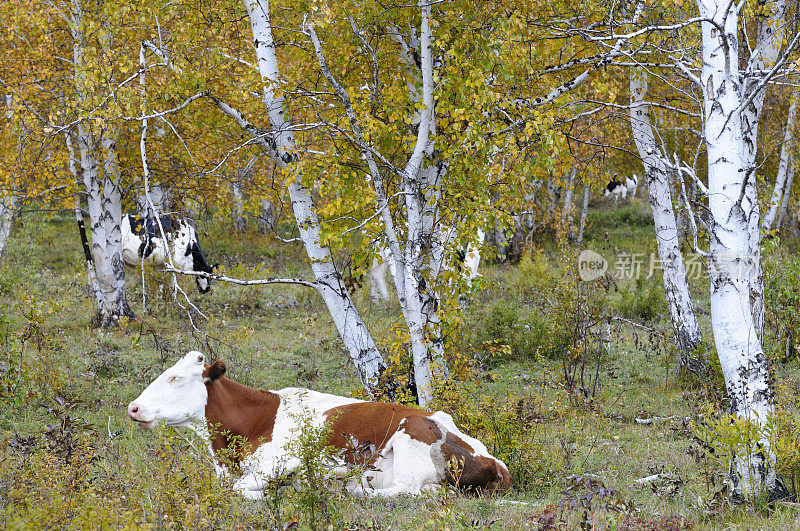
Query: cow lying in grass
pixel 412 447
pixel 142 239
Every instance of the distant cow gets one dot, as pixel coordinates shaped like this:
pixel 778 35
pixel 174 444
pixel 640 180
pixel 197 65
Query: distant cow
pixel 410 450
pixel 619 189
pixel 467 260
pixel 142 239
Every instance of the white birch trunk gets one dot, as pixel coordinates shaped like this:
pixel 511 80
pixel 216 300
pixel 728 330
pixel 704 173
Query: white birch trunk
pixel 266 220
pixel 731 259
pixel 239 219
pixel 472 257
pixel 7 205
pixel 104 202
pixel 351 327
pixel 584 215
pixel 112 218
pixel 765 53
pixel 9 201
pixel 423 251
pixel 781 179
pixel 679 301
pixel 566 214
pixel 104 206
pixel 418 301
pixel 87 250
pixel 553 194
pixel 787 193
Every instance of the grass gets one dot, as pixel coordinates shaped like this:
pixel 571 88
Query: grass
pixel 280 336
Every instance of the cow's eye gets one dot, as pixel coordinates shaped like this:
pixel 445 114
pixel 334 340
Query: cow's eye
pixel 174 379
pixel 200 359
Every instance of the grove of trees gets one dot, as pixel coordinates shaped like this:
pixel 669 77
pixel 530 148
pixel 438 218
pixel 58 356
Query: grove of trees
pixel 418 128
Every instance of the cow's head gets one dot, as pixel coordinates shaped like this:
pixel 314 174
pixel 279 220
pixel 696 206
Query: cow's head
pixel 177 397
pixel 204 283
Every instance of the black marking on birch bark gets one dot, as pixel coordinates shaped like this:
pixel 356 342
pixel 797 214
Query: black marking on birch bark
pixel 87 253
pixel 118 267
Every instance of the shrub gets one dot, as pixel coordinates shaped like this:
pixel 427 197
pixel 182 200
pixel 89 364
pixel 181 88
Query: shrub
pixel 782 302
pixel 644 299
pixel 506 429
pixel 724 436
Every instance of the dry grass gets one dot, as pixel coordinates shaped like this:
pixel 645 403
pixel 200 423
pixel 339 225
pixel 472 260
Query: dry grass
pixel 108 473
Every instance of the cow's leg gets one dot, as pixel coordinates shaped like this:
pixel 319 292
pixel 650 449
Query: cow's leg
pixel 410 465
pixel 268 463
pixel 250 486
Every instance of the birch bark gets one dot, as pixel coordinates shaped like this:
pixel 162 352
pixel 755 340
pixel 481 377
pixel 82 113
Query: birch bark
pixel 416 262
pixel 731 260
pixel 351 327
pixel 679 301
pixel 7 205
pixel 266 220
pixel 584 215
pixel 237 213
pixel 9 201
pixel 103 195
pixel 781 179
pixel 566 214
pixel 764 55
pixel 787 193
pixel 87 250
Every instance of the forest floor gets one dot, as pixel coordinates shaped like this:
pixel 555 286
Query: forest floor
pixel 578 428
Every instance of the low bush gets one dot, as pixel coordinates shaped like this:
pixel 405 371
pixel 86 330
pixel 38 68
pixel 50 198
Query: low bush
pixel 642 299
pixel 723 436
pixel 782 303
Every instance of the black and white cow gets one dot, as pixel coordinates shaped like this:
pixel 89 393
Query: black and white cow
pixel 142 239
pixel 621 189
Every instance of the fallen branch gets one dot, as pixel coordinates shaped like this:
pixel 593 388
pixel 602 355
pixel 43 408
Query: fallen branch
pixel 256 282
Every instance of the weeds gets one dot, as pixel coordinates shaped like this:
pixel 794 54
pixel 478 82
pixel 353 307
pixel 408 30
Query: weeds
pixel 505 349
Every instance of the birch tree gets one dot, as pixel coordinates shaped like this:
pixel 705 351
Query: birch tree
pixel 785 175
pixel 764 58
pixel 101 178
pixel 422 249
pixel 787 193
pixel 8 196
pixel 676 287
pixel 7 205
pixel 734 268
pixel 281 149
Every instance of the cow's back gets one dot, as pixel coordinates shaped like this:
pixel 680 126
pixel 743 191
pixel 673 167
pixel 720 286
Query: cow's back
pixel 465 462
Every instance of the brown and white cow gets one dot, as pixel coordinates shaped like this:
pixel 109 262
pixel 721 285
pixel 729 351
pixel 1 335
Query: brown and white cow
pixel 413 447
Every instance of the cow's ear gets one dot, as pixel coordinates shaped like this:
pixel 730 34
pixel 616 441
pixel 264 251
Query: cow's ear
pixel 214 371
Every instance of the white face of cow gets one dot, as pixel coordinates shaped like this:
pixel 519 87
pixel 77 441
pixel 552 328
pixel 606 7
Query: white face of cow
pixel 176 398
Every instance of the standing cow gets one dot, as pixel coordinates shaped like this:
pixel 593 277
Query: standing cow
pixel 142 239
pixel 414 449
pixel 621 189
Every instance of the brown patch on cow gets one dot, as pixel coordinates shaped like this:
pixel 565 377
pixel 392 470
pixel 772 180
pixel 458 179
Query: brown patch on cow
pixel 422 429
pixel 240 418
pixel 215 371
pixel 375 423
pixel 480 474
